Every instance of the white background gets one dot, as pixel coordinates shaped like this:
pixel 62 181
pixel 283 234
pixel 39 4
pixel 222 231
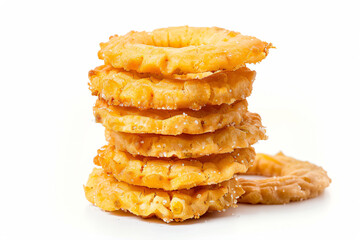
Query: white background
pixel 307 92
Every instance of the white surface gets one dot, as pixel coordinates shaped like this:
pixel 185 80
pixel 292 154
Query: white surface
pixel 307 92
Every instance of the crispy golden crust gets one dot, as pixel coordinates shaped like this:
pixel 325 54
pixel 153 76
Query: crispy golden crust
pixel 191 146
pixel 179 50
pixel 172 173
pixel 144 91
pixel 110 195
pixel 174 122
pixel 293 180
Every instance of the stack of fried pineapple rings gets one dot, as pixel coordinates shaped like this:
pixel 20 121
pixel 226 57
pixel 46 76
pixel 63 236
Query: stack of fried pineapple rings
pixel 179 133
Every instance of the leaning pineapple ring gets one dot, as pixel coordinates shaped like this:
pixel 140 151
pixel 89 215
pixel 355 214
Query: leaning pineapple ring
pixel 182 50
pixel 292 180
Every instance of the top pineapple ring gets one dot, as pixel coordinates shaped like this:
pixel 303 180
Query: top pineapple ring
pixel 182 50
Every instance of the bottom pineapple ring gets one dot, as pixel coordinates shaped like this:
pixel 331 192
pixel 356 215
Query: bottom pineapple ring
pixel 293 180
pixel 107 193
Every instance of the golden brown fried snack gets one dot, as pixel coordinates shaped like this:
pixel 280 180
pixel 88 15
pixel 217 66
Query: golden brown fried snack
pixel 179 50
pixel 175 122
pixel 110 195
pixel 131 89
pixel 293 180
pixel 191 146
pixel 172 173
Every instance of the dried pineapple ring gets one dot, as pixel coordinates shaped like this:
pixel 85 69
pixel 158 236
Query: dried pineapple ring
pixel 293 180
pixel 131 89
pixel 171 173
pixel 107 193
pixel 174 122
pixel 191 146
pixel 179 50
